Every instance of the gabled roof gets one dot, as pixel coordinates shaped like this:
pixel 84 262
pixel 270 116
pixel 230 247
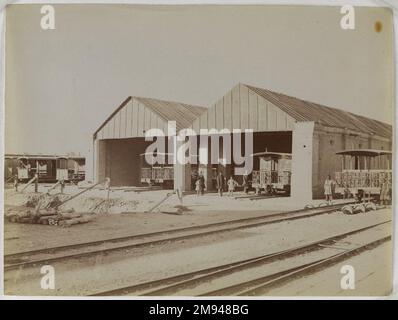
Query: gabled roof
pixel 183 114
pixel 302 111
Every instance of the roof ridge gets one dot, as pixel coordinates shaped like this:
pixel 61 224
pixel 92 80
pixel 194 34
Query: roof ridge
pixel 357 116
pixel 169 101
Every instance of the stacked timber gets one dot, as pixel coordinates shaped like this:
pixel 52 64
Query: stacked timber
pixel 48 217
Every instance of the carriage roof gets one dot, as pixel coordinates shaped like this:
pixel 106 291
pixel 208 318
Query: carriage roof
pixel 364 152
pixel 156 153
pixel 277 155
pixel 41 157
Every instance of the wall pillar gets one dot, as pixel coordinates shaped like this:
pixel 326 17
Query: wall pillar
pixel 182 172
pixel 302 162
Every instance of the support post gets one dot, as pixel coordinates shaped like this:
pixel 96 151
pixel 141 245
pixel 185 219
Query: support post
pixel 302 162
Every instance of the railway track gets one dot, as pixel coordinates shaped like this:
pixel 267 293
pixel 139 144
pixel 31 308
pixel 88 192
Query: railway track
pixel 174 284
pixel 54 254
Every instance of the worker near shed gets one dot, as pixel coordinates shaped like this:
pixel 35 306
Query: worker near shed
pixel 16 182
pixel 62 185
pixel 202 183
pixel 231 186
pixel 328 186
pixel 385 192
pixel 220 183
pixel 36 183
pixel 245 183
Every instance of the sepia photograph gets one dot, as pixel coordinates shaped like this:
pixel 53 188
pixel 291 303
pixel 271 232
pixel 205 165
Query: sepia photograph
pixel 198 151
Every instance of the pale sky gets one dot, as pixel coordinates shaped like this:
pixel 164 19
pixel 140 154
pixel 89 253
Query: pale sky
pixel 62 84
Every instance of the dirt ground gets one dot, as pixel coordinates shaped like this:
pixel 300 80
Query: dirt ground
pixel 126 214
pixel 81 277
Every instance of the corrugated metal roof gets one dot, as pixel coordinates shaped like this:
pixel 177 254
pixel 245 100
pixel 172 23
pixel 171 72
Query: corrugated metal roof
pixel 302 110
pixel 183 114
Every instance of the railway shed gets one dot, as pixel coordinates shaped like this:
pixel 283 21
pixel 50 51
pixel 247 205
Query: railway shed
pixel 120 141
pixel 310 132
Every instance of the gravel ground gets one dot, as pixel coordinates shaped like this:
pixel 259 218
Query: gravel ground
pixel 128 216
pixel 85 276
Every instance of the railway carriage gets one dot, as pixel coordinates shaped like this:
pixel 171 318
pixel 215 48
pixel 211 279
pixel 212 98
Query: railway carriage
pixel 363 171
pixel 156 173
pixel 272 172
pixel 48 168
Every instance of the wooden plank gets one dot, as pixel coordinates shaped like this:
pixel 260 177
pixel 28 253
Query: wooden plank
pixel 141 119
pixel 220 114
pixel 281 120
pixel 123 117
pixel 105 131
pixel 244 107
pixel 203 120
pixel 196 126
pixel 129 114
pixel 235 108
pixel 161 124
pixel 262 114
pixel 111 132
pixel 147 121
pixel 228 110
pixel 212 117
pixel 153 122
pixel 271 115
pixel 134 119
pixel 290 122
pixel 253 111
pixel 100 134
pixel 117 125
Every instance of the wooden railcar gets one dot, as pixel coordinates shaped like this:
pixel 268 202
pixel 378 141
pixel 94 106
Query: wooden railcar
pixel 363 171
pixel 48 168
pixel 272 172
pixel 157 173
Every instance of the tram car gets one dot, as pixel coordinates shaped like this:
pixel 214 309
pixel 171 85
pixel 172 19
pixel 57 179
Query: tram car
pixel 10 167
pixel 76 169
pixel 272 172
pixel 157 174
pixel 363 171
pixel 48 168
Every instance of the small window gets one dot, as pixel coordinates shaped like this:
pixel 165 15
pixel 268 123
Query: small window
pixel 331 142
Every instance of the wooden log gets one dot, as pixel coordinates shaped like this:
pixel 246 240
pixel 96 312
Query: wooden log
pixel 70 222
pixel 45 219
pixel 27 220
pixel 69 215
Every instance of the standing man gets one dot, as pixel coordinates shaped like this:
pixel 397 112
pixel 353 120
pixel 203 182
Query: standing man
pixel 62 185
pixel 231 186
pixel 220 183
pixel 36 182
pixel 202 183
pixel 245 183
pixel 16 182
pixel 328 190
pixel 385 193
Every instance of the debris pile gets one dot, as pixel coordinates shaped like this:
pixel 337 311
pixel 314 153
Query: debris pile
pixel 45 211
pixel 48 216
pixel 44 201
